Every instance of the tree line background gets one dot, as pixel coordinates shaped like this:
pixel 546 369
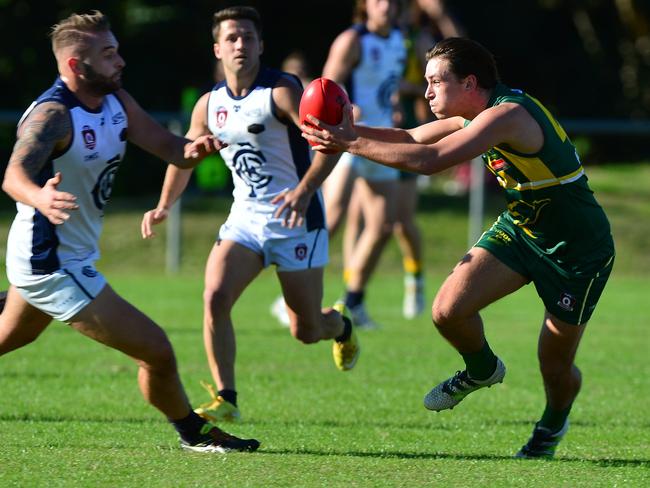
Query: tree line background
pixel 584 59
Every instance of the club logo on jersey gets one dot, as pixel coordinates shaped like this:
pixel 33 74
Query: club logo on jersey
pixel 118 118
pixel 248 164
pixel 386 91
pixel 102 190
pixel 237 108
pixel 221 116
pixel 301 251
pixel 89 271
pixel 88 136
pixel 567 302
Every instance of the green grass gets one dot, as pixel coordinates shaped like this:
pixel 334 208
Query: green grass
pixel 71 414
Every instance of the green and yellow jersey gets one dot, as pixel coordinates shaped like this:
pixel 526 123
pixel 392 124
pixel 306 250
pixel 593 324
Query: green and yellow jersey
pixel 547 193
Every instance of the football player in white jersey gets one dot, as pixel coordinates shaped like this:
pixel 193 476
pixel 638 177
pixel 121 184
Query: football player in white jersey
pixel 60 173
pixel 368 59
pixel 277 215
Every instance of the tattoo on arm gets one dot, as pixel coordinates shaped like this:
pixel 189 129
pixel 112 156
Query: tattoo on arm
pixel 46 128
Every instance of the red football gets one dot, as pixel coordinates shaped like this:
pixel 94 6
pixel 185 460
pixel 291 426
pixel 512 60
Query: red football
pixel 324 99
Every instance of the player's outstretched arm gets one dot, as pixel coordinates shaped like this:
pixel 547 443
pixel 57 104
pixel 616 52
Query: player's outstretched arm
pixel 176 179
pixel 148 134
pixel 491 127
pixel 46 130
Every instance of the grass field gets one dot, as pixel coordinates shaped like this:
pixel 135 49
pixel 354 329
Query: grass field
pixel 71 414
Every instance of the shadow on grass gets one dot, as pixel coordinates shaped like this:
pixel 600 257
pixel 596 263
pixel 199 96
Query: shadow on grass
pixel 603 462
pixel 600 462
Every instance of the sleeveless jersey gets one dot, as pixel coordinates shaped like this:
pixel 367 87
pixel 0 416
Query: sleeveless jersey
pixel 547 192
pixel 265 155
pixel 375 79
pixel 88 166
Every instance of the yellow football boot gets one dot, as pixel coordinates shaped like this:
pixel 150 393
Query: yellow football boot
pixel 345 353
pixel 217 410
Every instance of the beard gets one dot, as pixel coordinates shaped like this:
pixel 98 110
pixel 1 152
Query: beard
pixel 98 84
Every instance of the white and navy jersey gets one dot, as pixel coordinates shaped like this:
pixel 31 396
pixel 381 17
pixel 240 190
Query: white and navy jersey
pixel 375 78
pixel 266 155
pixel 88 166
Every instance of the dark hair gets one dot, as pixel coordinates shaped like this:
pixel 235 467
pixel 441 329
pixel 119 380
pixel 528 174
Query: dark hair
pixel 77 28
pixel 467 57
pixel 236 13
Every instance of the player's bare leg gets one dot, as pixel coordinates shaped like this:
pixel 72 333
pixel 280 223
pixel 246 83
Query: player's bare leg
pixel 477 280
pixel 557 347
pixel 408 237
pixel 20 323
pixel 378 203
pixel 303 292
pixel 113 321
pixel 229 270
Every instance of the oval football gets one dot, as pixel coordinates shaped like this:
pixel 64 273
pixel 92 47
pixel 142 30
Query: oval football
pixel 323 99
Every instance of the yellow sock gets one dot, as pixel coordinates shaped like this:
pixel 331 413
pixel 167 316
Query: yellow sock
pixel 412 266
pixel 347 273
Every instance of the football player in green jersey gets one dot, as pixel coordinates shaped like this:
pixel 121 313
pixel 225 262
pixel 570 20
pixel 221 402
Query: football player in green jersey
pixel 553 232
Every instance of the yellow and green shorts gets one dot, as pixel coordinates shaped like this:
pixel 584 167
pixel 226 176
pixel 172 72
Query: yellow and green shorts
pixel 569 290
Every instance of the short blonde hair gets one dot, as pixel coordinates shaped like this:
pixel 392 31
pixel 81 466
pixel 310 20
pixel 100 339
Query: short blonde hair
pixel 77 29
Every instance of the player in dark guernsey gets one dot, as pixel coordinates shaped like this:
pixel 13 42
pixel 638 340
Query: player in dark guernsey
pixel 553 233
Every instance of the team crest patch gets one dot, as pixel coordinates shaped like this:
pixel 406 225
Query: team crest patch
pixel 567 302
pixel 89 138
pixel 498 164
pixel 222 115
pixel 301 251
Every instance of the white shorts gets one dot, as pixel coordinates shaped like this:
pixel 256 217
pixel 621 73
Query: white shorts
pixel 61 294
pixel 294 252
pixel 367 169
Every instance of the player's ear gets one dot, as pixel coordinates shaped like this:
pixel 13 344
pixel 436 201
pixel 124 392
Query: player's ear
pixel 75 65
pixel 470 82
pixel 216 49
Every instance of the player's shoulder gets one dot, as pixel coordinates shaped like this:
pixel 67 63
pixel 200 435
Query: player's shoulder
pixel 275 78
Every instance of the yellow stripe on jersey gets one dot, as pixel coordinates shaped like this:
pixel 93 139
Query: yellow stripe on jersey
pixel 558 128
pixel 537 173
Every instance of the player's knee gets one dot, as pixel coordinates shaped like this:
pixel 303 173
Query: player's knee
pixel 218 300
pixel 554 370
pixel 443 314
pixel 159 356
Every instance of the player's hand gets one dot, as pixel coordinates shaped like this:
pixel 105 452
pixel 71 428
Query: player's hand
pixel 151 218
pixel 293 207
pixel 53 204
pixel 202 146
pixel 335 138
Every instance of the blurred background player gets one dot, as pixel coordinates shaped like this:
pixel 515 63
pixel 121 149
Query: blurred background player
pixel 368 59
pixel 70 143
pixel 424 22
pixel 296 63
pixel 277 213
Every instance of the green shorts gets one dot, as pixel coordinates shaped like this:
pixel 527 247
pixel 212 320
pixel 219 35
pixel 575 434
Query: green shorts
pixel 569 290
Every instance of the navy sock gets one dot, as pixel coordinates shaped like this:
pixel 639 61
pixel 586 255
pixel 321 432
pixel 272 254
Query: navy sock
pixel 189 428
pixel 229 396
pixel 347 330
pixel 553 420
pixel 353 298
pixel 480 364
